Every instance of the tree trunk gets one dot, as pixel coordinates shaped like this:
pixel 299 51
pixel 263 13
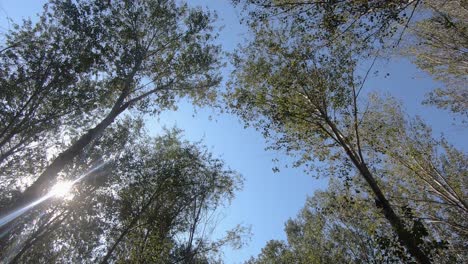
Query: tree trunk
pixel 41 233
pixel 130 226
pixel 36 190
pixel 404 236
pixel 117 242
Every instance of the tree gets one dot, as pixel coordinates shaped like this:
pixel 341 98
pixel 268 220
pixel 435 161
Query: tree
pixel 426 174
pixel 86 212
pixel 335 225
pixel 372 24
pixel 341 225
pixel 154 203
pixel 168 203
pixel 44 70
pixel 305 99
pixel 47 90
pixel 150 53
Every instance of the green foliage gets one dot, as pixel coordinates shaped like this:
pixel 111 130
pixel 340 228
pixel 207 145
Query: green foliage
pixel 334 226
pixel 46 86
pixel 342 225
pixel 369 24
pixel 135 55
pixel 305 97
pixel 65 83
pixel 439 47
pixel 153 203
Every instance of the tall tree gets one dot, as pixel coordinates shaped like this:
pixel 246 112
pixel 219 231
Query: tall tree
pixel 151 52
pixel 334 226
pixel 47 90
pixel 435 33
pixel 425 173
pixel 341 225
pixel 306 99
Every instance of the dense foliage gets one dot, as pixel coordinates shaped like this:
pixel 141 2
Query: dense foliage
pixel 66 83
pixel 140 55
pixel 297 81
pixel 152 202
pixel 76 86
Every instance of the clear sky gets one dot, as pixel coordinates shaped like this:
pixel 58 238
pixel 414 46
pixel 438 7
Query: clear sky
pixel 268 199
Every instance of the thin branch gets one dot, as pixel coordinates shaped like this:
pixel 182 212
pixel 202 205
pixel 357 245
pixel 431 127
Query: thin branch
pixel 407 22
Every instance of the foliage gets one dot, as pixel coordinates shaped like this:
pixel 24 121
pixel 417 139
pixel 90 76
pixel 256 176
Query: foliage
pixel 434 31
pixel 440 48
pixel 338 225
pixel 153 203
pixel 370 24
pixel 306 98
pixel 97 59
pixel 140 55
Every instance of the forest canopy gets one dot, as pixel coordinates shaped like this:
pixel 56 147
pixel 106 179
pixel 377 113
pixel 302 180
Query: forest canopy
pixel 83 179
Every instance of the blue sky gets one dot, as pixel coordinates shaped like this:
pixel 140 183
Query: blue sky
pixel 268 199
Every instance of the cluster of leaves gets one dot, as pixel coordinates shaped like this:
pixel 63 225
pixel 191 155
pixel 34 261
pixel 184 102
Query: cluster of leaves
pixel 368 23
pixel 440 47
pixel 83 65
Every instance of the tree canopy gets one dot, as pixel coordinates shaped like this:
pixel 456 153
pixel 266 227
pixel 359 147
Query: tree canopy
pixel 139 55
pixel 302 89
pixel 83 180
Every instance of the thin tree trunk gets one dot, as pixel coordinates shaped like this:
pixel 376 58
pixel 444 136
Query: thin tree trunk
pixel 132 223
pixel 41 233
pixel 117 242
pixel 404 236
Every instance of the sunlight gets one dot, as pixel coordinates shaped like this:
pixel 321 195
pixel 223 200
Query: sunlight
pixel 62 189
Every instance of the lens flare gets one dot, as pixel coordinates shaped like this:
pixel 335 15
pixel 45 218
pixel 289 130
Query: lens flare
pixel 62 189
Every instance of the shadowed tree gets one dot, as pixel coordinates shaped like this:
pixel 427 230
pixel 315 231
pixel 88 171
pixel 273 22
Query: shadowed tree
pixel 151 53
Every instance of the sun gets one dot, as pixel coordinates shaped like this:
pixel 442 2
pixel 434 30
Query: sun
pixel 61 189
